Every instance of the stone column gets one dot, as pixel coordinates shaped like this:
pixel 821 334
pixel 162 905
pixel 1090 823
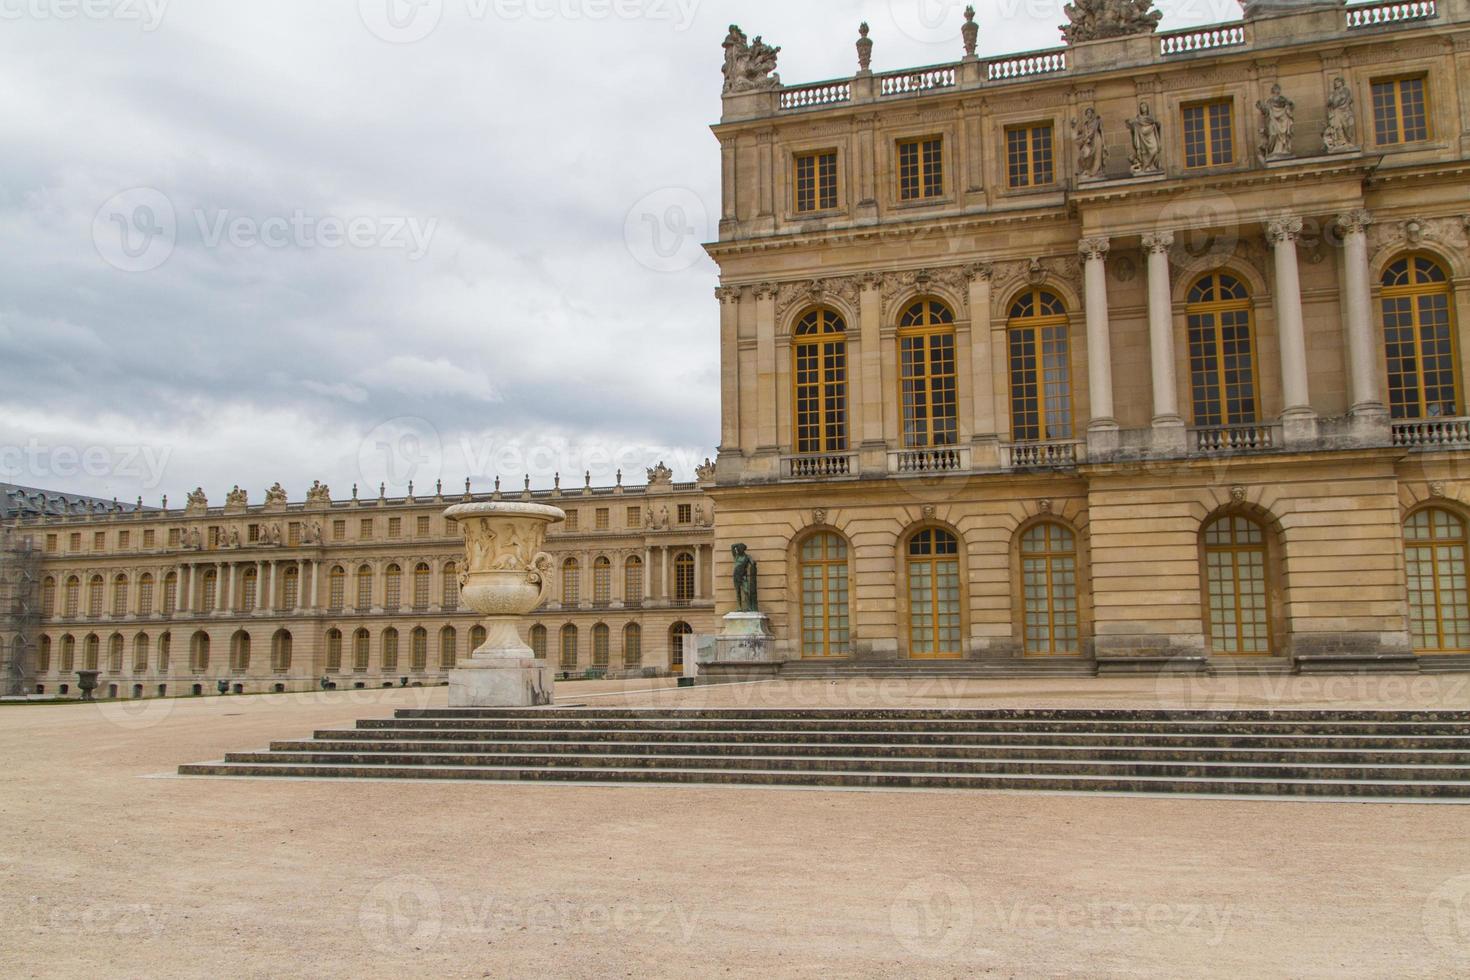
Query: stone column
pixel 1298 419
pixel 313 571
pixel 698 572
pixel 220 591
pixel 189 600
pixel 300 585
pixel 866 414
pixel 729 298
pixel 1102 431
pixel 765 358
pixel 1366 395
pixel 1168 425
pixel 664 563
pixel 647 574
pixel 984 431
pixel 268 596
pixel 260 587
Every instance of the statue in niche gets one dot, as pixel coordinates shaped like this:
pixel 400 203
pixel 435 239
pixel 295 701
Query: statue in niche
pixel 1092 151
pixel 1341 133
pixel 747 594
pixel 1147 141
pixel 1278 125
pixel 750 66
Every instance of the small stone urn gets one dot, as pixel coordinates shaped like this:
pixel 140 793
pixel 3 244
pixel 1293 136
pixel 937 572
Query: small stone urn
pixel 87 683
pixel 507 574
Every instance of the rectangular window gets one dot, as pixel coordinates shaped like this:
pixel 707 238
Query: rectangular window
pixel 1400 111
pixel 635 517
pixel 395 527
pixel 51 544
pixel 816 181
pixel 150 539
pixel 293 534
pixel 604 518
pixel 921 169
pixel 423 527
pixel 253 533
pixel 686 513
pixel 1209 136
pixel 1030 161
pixel 215 537
pixel 124 539
pixel 99 540
pixel 571 520
pixel 365 529
pixel 339 530
pixel 174 537
pixel 75 542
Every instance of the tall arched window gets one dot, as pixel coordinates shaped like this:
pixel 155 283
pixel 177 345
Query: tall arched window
pixel 1235 586
pixel 281 652
pixel 362 651
pixel 43 656
pixel 601 646
pixel 632 646
pixel 290 587
pixel 73 597
pixel 569 647
pixel 210 592
pixel 140 653
pixel 1049 589
pixel 240 652
pixel 633 582
pixel 68 653
pixel 115 647
pixel 1221 351
pixel 448 648
pixel 683 578
pixel 145 595
pixel 120 596
pixel 825 624
pixel 934 595
pixel 48 597
pixel 450 599
pixel 1418 329
pixel 337 589
pixel 92 652
pixel 94 596
pixel 423 577
pixel 390 649
pixel 1041 382
pixel 602 582
pixel 420 650
pixel 677 632
pixel 927 376
pixel 248 589
pixel 165 651
pixel 171 593
pixel 538 641
pixel 1439 603
pixel 334 651
pixel 819 376
pixel 199 653
pixel 364 588
pixel 392 588
pixel 571 582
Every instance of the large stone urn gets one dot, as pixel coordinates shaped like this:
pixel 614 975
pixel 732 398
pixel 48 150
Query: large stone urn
pixel 506 575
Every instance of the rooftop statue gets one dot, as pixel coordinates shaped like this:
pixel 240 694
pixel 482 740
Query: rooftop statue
pixel 1093 20
pixel 750 66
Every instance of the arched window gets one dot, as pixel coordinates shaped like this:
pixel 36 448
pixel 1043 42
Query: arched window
pixel 632 646
pixel 602 582
pixel 420 650
pixel 448 648
pixel 334 651
pixel 1238 604
pixel 199 653
pixel 249 589
pixel 934 595
pixel 677 632
pixel 115 648
pixel 171 593
pixel 73 597
pixel 825 624
pixel 1418 329
pixel 68 653
pixel 94 596
pixel 120 596
pixel 683 578
pixel 571 582
pixel 337 589
pixel 91 652
pixel 240 652
pixel 451 587
pixel 1439 603
pixel 290 588
pixel 362 651
pixel 281 652
pixel 1049 589
pixel 140 653
pixel 1221 351
pixel 210 590
pixel 165 648
pixel 364 588
pixel 601 646
pixel 423 580
pixel 927 376
pixel 392 588
pixel 819 376
pixel 478 637
pixel 48 597
pixel 43 656
pixel 390 649
pixel 145 595
pixel 569 647
pixel 633 582
pixel 538 641
pixel 1041 382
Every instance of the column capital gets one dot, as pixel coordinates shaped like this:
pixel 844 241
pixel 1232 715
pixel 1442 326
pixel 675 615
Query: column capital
pixel 1283 229
pixel 728 294
pixel 979 272
pixel 1158 242
pixel 1355 222
pixel 1094 249
pixel 871 281
pixel 765 291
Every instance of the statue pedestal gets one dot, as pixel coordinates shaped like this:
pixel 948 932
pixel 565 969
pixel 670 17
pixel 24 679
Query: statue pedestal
pixel 504 673
pixel 746 639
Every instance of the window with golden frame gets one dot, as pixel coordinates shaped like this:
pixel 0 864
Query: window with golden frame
pixel 1049 589
pixel 684 578
pixel 1030 157
pixel 1439 601
pixel 825 616
pixel 1041 383
pixel 1209 134
pixel 569 652
pixel 1238 601
pixel 819 376
pixel 1221 351
pixel 632 646
pixel 602 582
pixel 927 376
pixel 921 169
pixel 934 595
pixel 601 646
pixel 633 582
pixel 676 645
pixel 571 582
pixel 1400 110
pixel 816 181
pixel 1418 333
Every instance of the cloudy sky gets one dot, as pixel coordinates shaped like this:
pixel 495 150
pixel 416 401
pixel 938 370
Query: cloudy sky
pixel 369 241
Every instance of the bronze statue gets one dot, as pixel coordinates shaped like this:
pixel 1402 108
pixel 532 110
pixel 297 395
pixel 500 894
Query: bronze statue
pixel 747 596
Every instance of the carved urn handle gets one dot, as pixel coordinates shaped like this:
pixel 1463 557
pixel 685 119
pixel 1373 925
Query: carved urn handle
pixel 540 574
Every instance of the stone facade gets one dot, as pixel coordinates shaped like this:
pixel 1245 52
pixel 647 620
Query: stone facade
pixel 361 592
pixel 1141 396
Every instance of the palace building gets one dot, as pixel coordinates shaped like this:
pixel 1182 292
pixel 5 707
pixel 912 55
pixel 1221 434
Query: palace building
pixel 1144 351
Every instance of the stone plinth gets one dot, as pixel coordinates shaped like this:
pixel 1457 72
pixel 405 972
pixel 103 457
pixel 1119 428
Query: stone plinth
pixel 523 682
pixel 746 639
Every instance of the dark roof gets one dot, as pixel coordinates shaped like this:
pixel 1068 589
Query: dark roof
pixel 29 502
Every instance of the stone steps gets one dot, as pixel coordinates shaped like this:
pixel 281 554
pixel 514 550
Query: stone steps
pixel 1348 755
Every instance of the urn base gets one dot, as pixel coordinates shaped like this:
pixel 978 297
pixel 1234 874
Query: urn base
pixel 502 683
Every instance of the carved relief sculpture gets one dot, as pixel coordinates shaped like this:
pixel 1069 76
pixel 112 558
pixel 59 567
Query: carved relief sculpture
pixel 196 501
pixel 1094 20
pixel 1147 137
pixel 1341 132
pixel 319 493
pixel 660 475
pixel 1278 125
pixel 276 496
pixel 750 66
pixel 1092 151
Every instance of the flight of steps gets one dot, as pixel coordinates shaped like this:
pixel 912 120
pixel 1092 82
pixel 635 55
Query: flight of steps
pixel 1334 754
pixel 801 670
